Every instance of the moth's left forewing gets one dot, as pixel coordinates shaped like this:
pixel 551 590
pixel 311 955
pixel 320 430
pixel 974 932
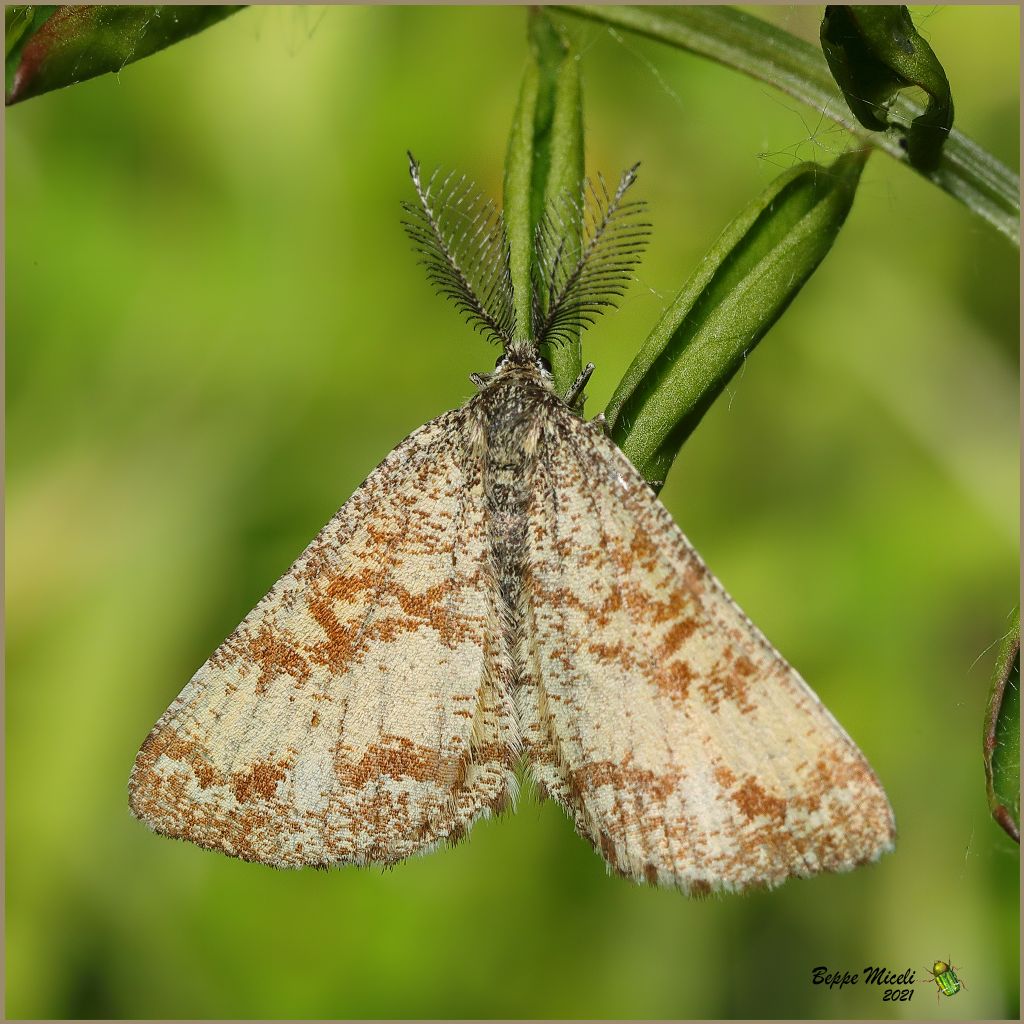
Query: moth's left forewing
pixel 352 717
pixel 683 745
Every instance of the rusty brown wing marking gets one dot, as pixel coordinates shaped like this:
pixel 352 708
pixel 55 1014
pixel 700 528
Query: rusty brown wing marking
pixel 352 717
pixel 682 744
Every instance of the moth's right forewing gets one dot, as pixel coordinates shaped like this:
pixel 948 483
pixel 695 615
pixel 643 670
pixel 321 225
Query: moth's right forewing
pixel 352 716
pixel 683 745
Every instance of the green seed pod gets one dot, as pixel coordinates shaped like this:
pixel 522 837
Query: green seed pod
pixel 754 270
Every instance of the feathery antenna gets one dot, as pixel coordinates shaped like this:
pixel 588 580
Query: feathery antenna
pixel 460 237
pixel 585 249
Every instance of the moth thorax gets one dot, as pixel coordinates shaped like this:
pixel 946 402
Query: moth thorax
pixel 521 350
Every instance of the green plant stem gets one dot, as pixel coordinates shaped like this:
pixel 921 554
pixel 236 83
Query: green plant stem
pixel 558 139
pixel 544 161
pixel 763 51
pixel 518 174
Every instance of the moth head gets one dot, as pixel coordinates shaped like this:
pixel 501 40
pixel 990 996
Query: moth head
pixel 519 358
pixel 516 360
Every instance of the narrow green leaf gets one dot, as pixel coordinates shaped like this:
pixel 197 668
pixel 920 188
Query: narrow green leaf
pixel 71 44
pixel 770 54
pixel 1002 735
pixel 752 273
pixel 873 53
pixel 544 160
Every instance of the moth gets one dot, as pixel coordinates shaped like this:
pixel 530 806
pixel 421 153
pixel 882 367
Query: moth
pixel 505 592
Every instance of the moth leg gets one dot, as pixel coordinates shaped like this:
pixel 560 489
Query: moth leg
pixel 573 394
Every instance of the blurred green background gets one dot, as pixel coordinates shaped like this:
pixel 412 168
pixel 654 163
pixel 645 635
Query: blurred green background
pixel 215 329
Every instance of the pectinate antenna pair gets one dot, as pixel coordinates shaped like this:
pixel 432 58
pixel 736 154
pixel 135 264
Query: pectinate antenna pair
pixel 585 247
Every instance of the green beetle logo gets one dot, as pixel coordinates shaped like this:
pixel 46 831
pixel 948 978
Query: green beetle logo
pixel 947 982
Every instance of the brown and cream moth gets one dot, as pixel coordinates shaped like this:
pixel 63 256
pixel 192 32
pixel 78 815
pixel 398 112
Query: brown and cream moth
pixel 505 590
